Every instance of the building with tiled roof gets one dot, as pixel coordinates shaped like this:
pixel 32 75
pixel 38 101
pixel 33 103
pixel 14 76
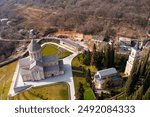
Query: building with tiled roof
pixel 101 76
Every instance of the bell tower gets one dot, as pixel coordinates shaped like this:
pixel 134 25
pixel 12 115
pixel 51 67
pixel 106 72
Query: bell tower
pixel 34 51
pixel 132 58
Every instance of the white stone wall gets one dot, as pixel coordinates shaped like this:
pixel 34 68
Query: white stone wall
pixel 132 57
pixel 128 68
pixel 97 84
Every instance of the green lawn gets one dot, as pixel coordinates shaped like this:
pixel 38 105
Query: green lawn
pixel 57 91
pixel 6 75
pixel 65 54
pixel 89 95
pixel 50 49
pixel 78 77
pixel 77 64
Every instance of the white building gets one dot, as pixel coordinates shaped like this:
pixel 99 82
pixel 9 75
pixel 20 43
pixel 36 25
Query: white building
pixel 36 67
pixel 132 58
pixel 102 75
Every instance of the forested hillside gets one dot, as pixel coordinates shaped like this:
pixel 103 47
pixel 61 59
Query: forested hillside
pixel 87 16
pixel 125 17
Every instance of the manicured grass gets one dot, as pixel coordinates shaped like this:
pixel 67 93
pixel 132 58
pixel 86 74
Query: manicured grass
pixel 65 54
pixel 77 64
pixel 50 49
pixel 88 94
pixel 6 76
pixel 57 91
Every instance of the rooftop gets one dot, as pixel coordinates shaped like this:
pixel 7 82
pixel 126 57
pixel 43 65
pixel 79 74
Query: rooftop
pixel 51 68
pixel 50 58
pixel 107 72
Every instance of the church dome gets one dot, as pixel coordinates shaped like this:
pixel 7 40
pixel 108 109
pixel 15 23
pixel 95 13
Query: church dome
pixel 34 46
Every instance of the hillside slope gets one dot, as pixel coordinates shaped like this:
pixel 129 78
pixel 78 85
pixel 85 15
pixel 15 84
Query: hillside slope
pixel 86 16
pixel 97 17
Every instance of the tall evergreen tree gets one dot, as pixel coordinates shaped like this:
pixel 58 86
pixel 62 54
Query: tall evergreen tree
pixel 93 56
pixel 98 60
pixel 81 90
pixel 144 64
pixel 138 94
pixel 88 76
pixel 109 56
pixel 137 73
pixel 106 57
pixel 80 93
pixel 146 83
pixel 147 95
pixel 87 57
pixel 112 56
pixel 130 84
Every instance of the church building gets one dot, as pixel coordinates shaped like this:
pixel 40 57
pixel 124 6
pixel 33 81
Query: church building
pixel 36 67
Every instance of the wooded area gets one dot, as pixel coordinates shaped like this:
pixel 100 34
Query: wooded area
pixel 94 17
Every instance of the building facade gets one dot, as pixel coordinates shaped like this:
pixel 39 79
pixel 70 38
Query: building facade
pixel 132 59
pixel 36 67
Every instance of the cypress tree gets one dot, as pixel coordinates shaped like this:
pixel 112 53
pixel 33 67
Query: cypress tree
pixel 147 95
pixel 99 59
pixel 112 56
pixel 144 64
pixel 107 58
pixel 146 83
pixel 87 57
pixel 130 84
pixel 137 73
pixel 80 93
pixel 88 76
pixel 93 57
pixel 138 94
